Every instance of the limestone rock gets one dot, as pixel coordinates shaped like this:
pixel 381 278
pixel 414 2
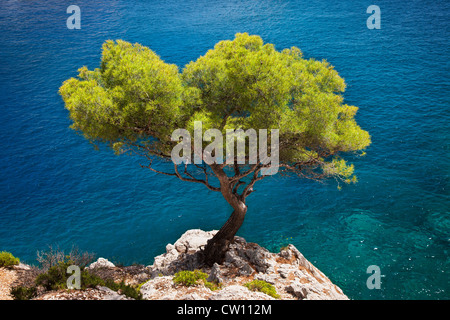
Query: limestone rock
pixel 269 278
pixel 154 288
pixel 101 263
pixel 215 274
pixel 22 266
pixel 293 276
pixel 183 254
pixel 237 292
pixel 193 240
pixel 111 294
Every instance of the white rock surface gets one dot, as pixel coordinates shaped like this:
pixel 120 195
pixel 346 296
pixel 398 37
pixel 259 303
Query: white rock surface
pixel 293 276
pixel 101 263
pixel 237 292
pixel 193 240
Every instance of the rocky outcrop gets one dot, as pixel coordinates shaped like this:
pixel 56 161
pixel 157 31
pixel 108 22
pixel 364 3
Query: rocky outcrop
pixel 238 292
pixel 293 276
pixel 101 263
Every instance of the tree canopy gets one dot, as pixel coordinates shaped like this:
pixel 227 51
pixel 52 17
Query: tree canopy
pixel 134 102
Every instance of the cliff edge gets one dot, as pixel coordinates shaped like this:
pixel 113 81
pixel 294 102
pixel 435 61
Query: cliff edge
pixel 249 272
pixel 292 275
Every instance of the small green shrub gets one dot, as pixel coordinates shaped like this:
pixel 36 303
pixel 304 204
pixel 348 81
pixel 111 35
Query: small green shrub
pixel 262 286
pixel 140 285
pixel 8 260
pixel 189 278
pixel 212 285
pixel 89 280
pixel 122 288
pixel 23 293
pixel 56 278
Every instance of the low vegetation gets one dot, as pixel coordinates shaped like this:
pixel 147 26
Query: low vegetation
pixel 53 275
pixel 23 293
pixel 56 278
pixel 189 278
pixel 8 260
pixel 262 286
pixel 122 288
pixel 192 278
pixel 54 256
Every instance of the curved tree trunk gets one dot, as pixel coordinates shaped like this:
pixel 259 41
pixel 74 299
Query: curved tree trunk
pixel 217 246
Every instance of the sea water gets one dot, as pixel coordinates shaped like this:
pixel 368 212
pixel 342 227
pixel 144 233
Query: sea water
pixel 55 189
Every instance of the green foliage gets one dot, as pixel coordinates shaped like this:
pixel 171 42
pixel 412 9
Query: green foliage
pixel 122 288
pixel 189 278
pixel 89 280
pixel 212 285
pixel 138 288
pixel 245 83
pixel 56 279
pixel 8 260
pixel 192 278
pixel 23 293
pixel 134 101
pixel 133 95
pixel 262 286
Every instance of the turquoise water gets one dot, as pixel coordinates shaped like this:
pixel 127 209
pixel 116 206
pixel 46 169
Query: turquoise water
pixel 56 189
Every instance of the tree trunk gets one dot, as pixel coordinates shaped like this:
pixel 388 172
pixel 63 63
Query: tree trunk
pixel 217 246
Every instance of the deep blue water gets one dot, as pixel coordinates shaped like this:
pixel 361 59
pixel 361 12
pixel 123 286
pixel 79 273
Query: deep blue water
pixel 56 189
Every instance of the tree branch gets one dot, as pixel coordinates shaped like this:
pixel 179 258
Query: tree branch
pixel 249 188
pixel 192 179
